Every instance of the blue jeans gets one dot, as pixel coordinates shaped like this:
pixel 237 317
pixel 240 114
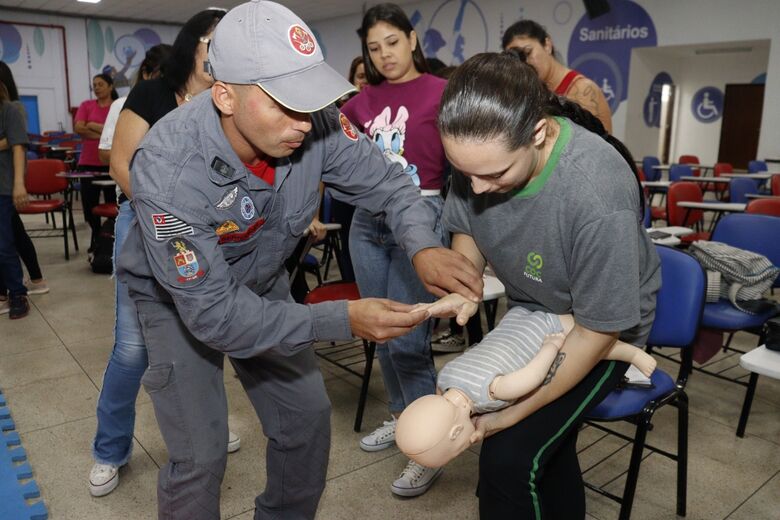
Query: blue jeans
pixel 383 270
pixel 127 364
pixel 10 265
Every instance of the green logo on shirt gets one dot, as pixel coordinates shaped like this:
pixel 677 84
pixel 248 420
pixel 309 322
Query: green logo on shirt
pixel 533 267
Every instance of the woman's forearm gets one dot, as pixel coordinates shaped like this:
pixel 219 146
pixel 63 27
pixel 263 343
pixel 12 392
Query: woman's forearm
pixel 465 245
pixel 582 350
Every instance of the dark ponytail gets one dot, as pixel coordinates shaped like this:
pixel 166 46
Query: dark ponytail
pixel 499 96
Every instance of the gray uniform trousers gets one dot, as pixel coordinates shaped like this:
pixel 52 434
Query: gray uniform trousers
pixel 185 382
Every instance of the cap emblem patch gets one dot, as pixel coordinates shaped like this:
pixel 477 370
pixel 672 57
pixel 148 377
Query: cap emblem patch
pixel 302 42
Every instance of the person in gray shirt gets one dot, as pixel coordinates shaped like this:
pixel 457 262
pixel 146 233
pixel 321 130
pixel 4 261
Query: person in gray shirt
pixel 545 195
pixel 223 189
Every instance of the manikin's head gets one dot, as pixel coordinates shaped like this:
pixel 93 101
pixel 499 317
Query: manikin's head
pixel 435 429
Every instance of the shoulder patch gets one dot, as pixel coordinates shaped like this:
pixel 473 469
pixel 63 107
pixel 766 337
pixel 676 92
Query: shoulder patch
pixel 167 226
pixel 187 265
pixel 227 227
pixel 347 128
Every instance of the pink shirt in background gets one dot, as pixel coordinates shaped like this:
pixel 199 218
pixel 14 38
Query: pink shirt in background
pixel 401 119
pixel 91 111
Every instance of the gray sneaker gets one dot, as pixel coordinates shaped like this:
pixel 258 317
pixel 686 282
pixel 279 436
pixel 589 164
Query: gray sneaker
pixel 415 480
pixel 449 343
pixel 380 439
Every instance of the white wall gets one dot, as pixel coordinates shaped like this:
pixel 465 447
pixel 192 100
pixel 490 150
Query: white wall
pixel 44 74
pixel 676 23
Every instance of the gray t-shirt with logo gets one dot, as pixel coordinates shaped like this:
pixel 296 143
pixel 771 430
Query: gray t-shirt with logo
pixel 571 241
pixel 13 128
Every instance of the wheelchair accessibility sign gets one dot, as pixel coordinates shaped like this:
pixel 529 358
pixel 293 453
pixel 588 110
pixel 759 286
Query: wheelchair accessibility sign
pixel 707 105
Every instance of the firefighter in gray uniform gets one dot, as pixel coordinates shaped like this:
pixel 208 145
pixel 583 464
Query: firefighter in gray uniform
pixel 224 187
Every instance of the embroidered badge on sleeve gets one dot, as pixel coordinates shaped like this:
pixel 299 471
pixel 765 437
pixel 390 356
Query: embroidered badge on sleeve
pixel 167 226
pixel 227 227
pixel 347 128
pixel 187 263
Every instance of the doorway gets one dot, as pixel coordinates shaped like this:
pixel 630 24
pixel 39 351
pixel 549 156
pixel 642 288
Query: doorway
pixel 741 127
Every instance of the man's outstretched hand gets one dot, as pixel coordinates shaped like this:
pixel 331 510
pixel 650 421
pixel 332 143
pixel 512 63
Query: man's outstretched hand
pixel 379 319
pixel 444 271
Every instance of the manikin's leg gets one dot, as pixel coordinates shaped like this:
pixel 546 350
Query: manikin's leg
pixel 620 351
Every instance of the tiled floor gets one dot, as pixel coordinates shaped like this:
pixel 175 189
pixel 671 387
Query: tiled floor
pixel 51 366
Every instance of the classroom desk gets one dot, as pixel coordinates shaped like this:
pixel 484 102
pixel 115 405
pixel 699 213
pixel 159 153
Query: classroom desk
pixel 755 176
pixel 705 180
pixel 761 196
pixel 660 185
pixel 718 207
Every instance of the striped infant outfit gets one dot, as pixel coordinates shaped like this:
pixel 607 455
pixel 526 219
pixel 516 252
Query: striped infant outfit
pixel 508 347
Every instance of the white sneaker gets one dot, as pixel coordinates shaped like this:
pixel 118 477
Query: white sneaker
pixel 36 287
pixel 380 439
pixel 5 307
pixel 449 343
pixel 103 479
pixel 415 480
pixel 234 442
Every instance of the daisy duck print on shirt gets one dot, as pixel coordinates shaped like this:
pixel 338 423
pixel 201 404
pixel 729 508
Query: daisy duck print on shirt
pixel 389 134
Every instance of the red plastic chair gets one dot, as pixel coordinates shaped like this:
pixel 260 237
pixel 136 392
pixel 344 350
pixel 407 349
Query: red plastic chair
pixel 42 180
pixel 721 189
pixel 776 185
pixel 685 217
pixel 764 207
pixel 691 159
pixel 344 356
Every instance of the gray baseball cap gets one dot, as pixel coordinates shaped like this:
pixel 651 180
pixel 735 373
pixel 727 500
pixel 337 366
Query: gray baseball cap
pixel 266 44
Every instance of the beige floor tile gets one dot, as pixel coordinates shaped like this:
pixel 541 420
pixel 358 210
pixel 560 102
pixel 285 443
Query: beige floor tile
pixel 763 504
pixel 40 365
pixel 44 404
pixel 365 494
pixel 30 334
pixel 61 459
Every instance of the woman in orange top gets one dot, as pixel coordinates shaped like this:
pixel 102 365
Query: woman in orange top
pixel 532 39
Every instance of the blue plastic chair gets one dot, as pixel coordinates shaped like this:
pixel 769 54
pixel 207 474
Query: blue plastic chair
pixel 679 307
pixel 679 170
pixel 651 174
pixel 740 187
pixel 757 166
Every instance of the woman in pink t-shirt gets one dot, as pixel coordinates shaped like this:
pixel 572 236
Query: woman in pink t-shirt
pixel 89 121
pixel 398 109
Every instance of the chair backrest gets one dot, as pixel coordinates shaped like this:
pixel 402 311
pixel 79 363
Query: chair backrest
pixel 683 191
pixel 651 174
pixel 757 166
pixel 740 187
pixel 722 167
pixel 647 220
pixel 776 185
pixel 41 177
pixel 680 170
pixel 764 207
pixel 680 301
pixel 690 159
pixel 757 233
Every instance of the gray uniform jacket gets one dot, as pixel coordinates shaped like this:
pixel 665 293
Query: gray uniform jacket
pixel 211 237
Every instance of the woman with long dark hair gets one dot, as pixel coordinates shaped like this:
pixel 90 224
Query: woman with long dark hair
pixel 546 196
pixel 532 39
pixel 182 77
pixel 397 109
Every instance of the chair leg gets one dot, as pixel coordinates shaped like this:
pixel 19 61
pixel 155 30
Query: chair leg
pixel 64 232
pixel 747 404
pixel 682 453
pixel 369 347
pixel 72 228
pixel 633 468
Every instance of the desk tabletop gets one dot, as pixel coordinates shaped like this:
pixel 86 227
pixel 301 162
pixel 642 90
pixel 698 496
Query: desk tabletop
pixel 762 361
pixel 714 206
pixel 691 178
pixel 761 196
pixel 756 176
pixel 81 175
pixel 656 184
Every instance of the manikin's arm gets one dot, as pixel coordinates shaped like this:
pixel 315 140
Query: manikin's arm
pixel 512 386
pixel 582 350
